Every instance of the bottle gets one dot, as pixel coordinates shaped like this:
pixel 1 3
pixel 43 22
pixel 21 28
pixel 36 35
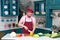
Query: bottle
pixel 13 24
pixel 9 25
pixel 5 26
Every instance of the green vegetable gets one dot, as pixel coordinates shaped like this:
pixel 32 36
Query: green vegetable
pixel 40 34
pixel 48 35
pixel 36 36
pixel 54 35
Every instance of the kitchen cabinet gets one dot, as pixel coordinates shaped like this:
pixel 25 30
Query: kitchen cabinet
pixel 9 7
pixel 52 3
pixel 17 30
pixel 50 6
pixel 36 8
pixel 14 7
pixel 39 8
pixel 5 8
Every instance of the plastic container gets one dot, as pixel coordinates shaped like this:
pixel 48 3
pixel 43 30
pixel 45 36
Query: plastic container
pixel 13 25
pixel 9 25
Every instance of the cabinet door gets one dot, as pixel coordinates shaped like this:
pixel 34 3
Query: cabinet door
pixel 5 7
pixel 53 2
pixel 36 8
pixel 36 5
pixel 14 7
pixel 39 8
pixel 49 2
pixel 57 2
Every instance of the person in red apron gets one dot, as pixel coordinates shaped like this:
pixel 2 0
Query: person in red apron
pixel 28 22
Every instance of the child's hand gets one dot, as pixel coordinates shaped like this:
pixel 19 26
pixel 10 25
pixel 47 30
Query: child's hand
pixel 30 31
pixel 26 28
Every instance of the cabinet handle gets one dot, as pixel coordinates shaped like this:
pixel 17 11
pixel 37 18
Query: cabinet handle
pixel 5 7
pixel 14 1
pixel 14 7
pixel 14 13
pixel 6 12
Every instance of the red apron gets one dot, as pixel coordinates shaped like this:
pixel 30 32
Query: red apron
pixel 29 25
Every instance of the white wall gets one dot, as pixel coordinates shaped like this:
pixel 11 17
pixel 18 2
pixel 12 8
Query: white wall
pixel 25 2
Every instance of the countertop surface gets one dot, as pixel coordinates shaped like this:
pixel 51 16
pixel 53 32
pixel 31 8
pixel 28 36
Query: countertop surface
pixel 7 37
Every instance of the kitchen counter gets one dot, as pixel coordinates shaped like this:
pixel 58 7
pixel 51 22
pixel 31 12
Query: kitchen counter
pixel 4 29
pixel 7 37
pixel 19 30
